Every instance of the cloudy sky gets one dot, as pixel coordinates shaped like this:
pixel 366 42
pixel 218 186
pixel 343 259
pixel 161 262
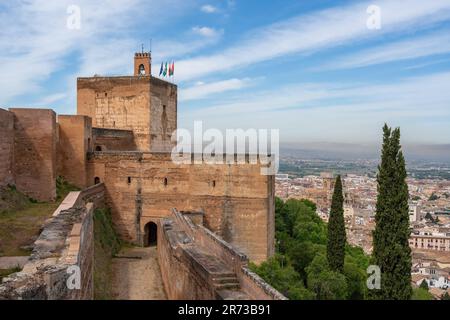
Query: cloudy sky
pixel 312 69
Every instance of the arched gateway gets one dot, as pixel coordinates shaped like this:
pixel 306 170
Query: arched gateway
pixel 151 234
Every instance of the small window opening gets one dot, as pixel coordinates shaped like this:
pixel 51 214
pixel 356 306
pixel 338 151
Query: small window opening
pixel 96 180
pixel 165 182
pixel 129 180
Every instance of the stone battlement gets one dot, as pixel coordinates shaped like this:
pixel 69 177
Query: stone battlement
pixel 65 241
pixel 197 264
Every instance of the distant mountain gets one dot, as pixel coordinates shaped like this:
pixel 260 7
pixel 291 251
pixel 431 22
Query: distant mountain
pixel 347 151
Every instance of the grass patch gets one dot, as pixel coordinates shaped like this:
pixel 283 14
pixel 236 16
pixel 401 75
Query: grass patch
pixel 6 272
pixel 106 245
pixel 21 218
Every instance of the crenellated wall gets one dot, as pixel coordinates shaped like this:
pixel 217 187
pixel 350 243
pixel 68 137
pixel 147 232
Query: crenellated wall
pixel 65 244
pixel 196 264
pixel 141 187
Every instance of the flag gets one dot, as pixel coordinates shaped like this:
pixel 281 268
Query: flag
pixel 165 70
pixel 162 68
pixel 172 69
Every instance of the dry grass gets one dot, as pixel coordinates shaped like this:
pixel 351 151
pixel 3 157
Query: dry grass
pixel 20 227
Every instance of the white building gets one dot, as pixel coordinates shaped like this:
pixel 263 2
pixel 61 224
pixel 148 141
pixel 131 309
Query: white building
pixel 415 212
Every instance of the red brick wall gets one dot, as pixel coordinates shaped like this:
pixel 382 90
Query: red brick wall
pixel 113 139
pixel 239 207
pixel 74 140
pixel 117 103
pixel 6 147
pixel 35 152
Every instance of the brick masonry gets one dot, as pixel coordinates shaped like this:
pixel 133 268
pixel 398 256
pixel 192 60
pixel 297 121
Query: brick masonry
pixel 6 147
pixel 35 143
pixel 236 199
pixel 197 265
pixel 75 140
pixel 67 241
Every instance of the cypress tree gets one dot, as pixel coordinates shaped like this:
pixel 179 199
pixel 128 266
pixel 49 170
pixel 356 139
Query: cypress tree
pixel 336 230
pixel 391 251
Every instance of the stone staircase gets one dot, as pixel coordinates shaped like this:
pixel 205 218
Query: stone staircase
pixel 224 280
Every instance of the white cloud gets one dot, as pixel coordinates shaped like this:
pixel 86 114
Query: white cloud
pixel 349 112
pixel 317 31
pixel 428 45
pixel 202 90
pixel 207 8
pixel 50 99
pixel 42 41
pixel 207 31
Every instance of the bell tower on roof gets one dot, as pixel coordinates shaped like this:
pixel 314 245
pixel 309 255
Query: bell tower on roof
pixel 142 64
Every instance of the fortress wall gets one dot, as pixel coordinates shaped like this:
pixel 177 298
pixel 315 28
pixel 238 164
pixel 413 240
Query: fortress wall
pixel 35 152
pixel 163 119
pixel 75 140
pixel 192 259
pixel 235 199
pixel 183 278
pixel 6 147
pixel 65 244
pixel 113 139
pixel 117 103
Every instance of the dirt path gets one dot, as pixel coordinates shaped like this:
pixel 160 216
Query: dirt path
pixel 137 279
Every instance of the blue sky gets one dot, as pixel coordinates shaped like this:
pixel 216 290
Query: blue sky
pixel 309 68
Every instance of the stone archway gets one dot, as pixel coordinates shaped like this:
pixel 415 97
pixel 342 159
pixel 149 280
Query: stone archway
pixel 150 234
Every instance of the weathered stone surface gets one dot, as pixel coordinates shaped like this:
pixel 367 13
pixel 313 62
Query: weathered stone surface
pixel 113 140
pixel 35 152
pixel 75 140
pixel 66 241
pixel 196 264
pixel 6 147
pixel 143 187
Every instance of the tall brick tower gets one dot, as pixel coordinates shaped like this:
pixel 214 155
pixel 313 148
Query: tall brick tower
pixel 144 105
pixel 142 64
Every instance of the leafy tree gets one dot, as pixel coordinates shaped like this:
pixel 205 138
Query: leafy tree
pixel 391 251
pixel 326 284
pixel 336 230
pixel 356 281
pixel 421 294
pixel 424 285
pixel 301 239
pixel 283 277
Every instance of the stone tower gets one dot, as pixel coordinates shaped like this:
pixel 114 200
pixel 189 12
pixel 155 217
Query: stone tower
pixel 140 104
pixel 142 64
